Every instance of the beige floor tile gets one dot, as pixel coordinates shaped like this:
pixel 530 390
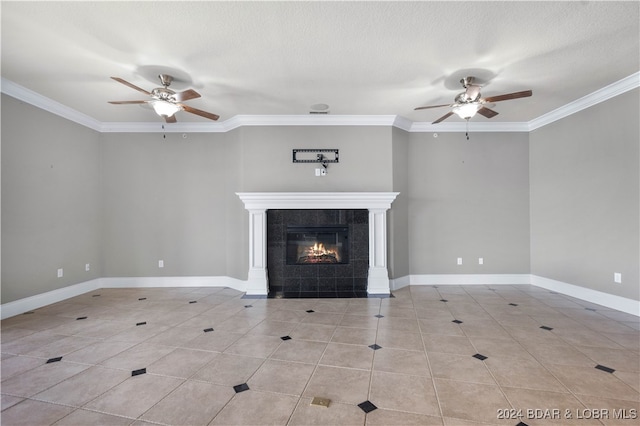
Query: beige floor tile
pixel 401 392
pixel 499 348
pixel 300 351
pixel 30 413
pixel 630 378
pixel 382 417
pixel 18 364
pixel 399 324
pixel 273 328
pixel 286 316
pixel 281 377
pixel 40 378
pixel 316 332
pixel 83 387
pixel 523 373
pixel 138 356
pixel 335 414
pixel 471 401
pixel 257 408
pixel 138 334
pixel 344 385
pixel 618 359
pixel 324 318
pixel 85 417
pixel 448 344
pixel 10 401
pixel 30 343
pixel 400 340
pixel 401 361
pixel 217 341
pixel 440 326
pixel 563 354
pixel 254 345
pixel 459 367
pixel 593 382
pixel 355 336
pixel 359 321
pixel 135 395
pixel 182 363
pixel 228 370
pixel 192 403
pixel 176 336
pixel 62 346
pixel 349 356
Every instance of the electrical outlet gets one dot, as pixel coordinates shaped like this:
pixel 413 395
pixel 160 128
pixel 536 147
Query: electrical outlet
pixel 617 277
pixel 160 263
pixel 459 261
pixel 480 261
pixel 317 172
pixel 87 267
pixel 60 273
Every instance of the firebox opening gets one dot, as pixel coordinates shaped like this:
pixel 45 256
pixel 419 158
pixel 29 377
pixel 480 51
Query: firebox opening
pixel 313 245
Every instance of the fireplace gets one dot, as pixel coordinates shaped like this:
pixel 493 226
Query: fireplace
pixel 375 205
pixel 316 245
pixel 317 252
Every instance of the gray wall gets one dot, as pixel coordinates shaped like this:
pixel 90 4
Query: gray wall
pixel 585 197
pixel 50 201
pixel 166 199
pixel 398 226
pixel 469 199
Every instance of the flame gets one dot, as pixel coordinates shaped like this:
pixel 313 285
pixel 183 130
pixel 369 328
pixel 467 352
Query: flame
pixel 319 250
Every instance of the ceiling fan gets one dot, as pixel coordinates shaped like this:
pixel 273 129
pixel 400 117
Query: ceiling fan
pixel 166 102
pixel 470 102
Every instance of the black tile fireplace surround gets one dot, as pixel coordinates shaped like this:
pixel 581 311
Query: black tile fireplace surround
pixel 318 279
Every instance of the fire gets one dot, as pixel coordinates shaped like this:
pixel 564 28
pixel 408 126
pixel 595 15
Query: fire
pixel 319 254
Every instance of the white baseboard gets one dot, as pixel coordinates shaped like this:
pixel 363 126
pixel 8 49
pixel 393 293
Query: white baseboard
pixel 622 304
pixel 39 300
pixel 618 303
pixel 43 299
pixel 469 279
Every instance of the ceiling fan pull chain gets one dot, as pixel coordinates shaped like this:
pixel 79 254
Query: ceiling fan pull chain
pixel 164 135
pixel 467 132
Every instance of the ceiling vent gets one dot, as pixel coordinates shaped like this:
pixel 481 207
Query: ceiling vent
pixel 319 112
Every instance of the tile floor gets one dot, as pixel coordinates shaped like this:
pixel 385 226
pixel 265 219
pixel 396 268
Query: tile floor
pixel 447 355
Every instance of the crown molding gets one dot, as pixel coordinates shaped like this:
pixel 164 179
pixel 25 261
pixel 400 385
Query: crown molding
pixel 21 93
pixel 601 95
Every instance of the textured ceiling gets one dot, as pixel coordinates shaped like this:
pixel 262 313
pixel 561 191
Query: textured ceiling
pixel 360 58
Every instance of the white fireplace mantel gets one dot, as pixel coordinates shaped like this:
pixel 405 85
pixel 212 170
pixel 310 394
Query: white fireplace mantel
pixel 257 203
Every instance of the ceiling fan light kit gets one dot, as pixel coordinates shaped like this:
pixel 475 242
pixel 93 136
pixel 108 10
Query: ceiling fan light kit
pixel 166 102
pixel 470 102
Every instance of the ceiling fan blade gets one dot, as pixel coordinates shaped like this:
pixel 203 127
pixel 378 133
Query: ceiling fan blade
pixel 487 112
pixel 430 106
pixel 516 95
pixel 444 117
pixel 201 113
pixel 186 95
pixel 126 83
pixel 128 102
pixel 170 118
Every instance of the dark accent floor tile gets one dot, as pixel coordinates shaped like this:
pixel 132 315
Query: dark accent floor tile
pixel 286 337
pixel 139 372
pixel 544 327
pixel 513 304
pixel 457 321
pixel 603 368
pixel 375 346
pixel 241 387
pixel 367 406
pixel 379 316
pixel 480 357
pixel 443 300
pixel 310 311
pixel 142 298
pixel 193 301
pixel 522 424
pixel 207 330
pixel 80 318
pixel 141 323
pixel 56 359
pixel 248 306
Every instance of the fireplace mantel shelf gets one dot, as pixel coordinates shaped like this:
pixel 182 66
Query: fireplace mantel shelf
pixel 317 200
pixel 257 203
